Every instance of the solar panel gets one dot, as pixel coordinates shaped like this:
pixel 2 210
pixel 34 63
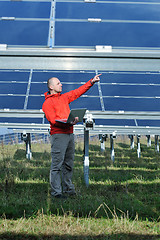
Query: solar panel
pixel 115 23
pixel 111 10
pixel 29 33
pixel 24 23
pixel 22 9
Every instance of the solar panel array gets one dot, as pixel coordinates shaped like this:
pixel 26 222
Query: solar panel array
pixel 81 24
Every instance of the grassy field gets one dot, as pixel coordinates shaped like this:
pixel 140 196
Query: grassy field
pixel 121 202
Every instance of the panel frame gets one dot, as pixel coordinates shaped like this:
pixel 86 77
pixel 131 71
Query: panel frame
pixel 79 129
pixel 80 59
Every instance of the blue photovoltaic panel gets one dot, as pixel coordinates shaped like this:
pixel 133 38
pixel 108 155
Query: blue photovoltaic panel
pixel 73 77
pixel 24 32
pixel 155 123
pixel 13 88
pixel 123 24
pixel 110 11
pixel 130 104
pixel 120 91
pixel 21 120
pixel 117 122
pixel 91 92
pixel 69 81
pixel 91 103
pixel 35 102
pixel 24 23
pixel 39 89
pixel 14 76
pixel 25 9
pixel 114 34
pixel 12 102
pixel 130 90
pixel 42 76
pixel 131 77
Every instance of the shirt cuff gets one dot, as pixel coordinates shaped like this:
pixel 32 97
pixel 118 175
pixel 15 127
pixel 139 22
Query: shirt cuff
pixel 91 82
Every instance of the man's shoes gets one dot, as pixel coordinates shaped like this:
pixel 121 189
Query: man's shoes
pixel 65 195
pixel 60 196
pixel 70 194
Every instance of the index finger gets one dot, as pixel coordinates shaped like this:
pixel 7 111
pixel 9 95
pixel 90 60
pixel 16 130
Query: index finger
pixel 99 75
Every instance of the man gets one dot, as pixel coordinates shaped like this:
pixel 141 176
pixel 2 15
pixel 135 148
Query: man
pixel 56 106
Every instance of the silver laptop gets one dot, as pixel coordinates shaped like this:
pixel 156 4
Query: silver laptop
pixel 80 112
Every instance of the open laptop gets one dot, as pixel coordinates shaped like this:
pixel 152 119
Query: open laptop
pixel 74 113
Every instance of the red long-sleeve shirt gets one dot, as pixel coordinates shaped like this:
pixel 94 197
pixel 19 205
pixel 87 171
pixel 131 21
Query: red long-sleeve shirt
pixel 56 106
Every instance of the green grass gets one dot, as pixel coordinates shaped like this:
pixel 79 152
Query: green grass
pixel 121 202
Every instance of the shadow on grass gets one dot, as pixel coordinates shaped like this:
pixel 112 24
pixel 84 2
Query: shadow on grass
pixel 23 199
pixel 120 192
pixel 21 153
pixel 121 175
pixel 124 236
pixel 141 199
pixel 126 157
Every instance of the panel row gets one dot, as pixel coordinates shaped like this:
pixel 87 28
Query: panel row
pixel 116 91
pixel 90 102
pixel 38 76
pixel 119 24
pixel 107 90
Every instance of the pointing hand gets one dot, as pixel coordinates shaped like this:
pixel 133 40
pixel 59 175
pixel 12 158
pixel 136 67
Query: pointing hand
pixel 96 78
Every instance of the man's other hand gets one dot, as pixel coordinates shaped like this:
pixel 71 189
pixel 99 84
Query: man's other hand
pixel 75 121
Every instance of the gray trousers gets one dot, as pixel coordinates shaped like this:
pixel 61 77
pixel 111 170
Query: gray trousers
pixel 62 152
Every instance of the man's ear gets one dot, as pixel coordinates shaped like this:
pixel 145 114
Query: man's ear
pixel 50 87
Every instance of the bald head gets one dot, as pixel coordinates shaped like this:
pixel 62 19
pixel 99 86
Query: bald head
pixel 50 82
pixel 54 85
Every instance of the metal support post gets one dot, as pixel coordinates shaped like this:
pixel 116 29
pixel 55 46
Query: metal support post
pixel 132 141
pixel 157 143
pixel 138 146
pixel 112 136
pixel 148 140
pixel 26 137
pixel 102 139
pixel 86 157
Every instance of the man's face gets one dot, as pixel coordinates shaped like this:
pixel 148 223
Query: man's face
pixel 56 85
